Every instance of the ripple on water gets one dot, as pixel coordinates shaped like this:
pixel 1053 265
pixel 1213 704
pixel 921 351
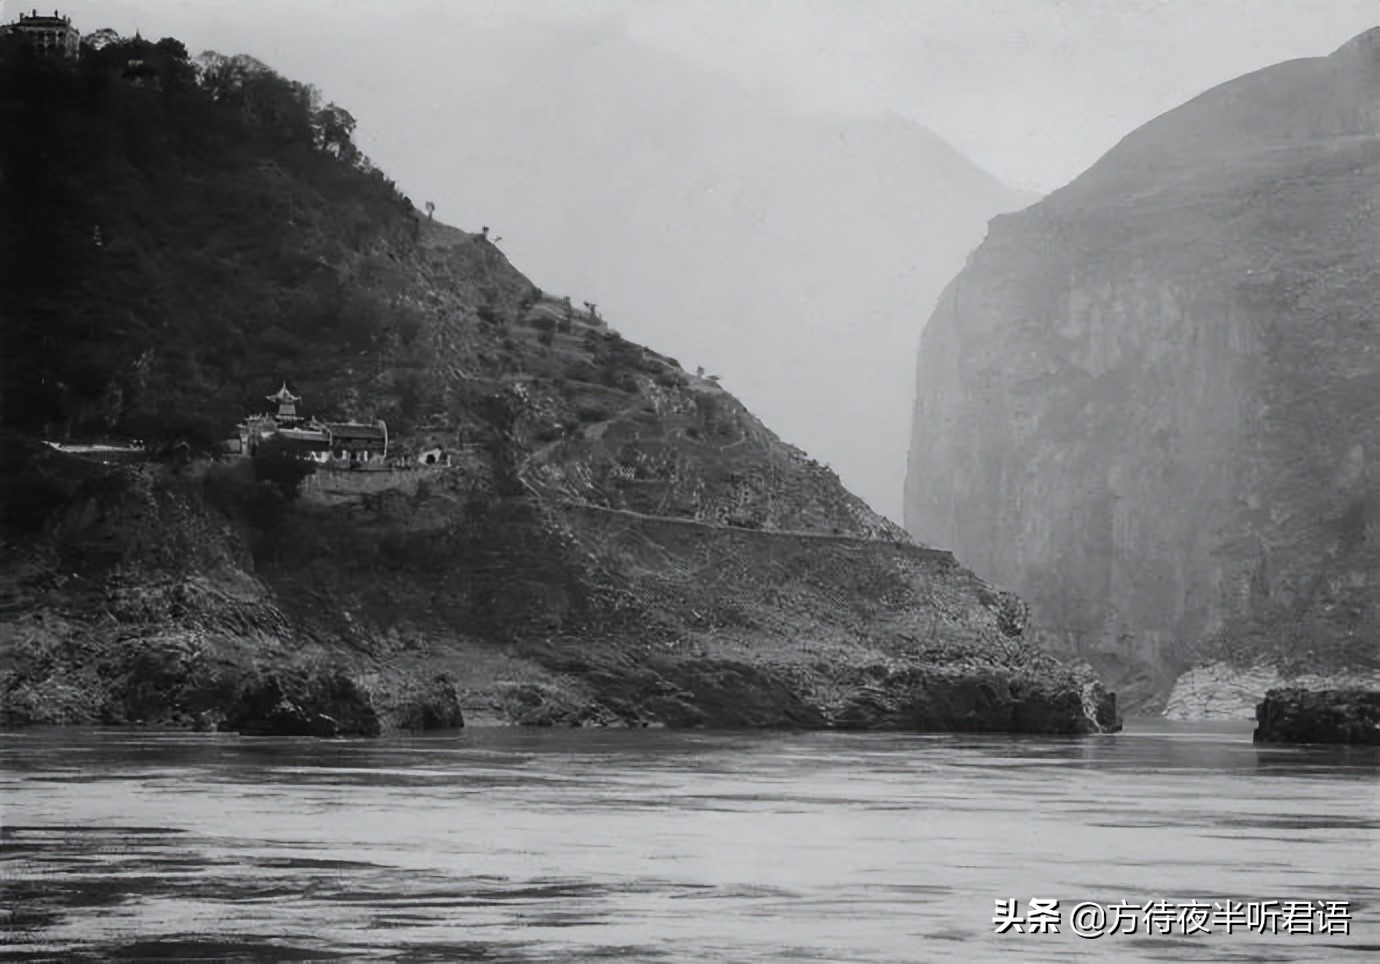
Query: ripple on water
pixel 571 846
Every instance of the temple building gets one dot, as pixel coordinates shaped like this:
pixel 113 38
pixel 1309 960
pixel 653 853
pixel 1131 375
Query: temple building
pixel 51 36
pixel 356 443
pixel 342 444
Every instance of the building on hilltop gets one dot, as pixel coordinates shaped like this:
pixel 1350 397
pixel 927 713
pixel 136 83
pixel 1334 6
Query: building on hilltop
pixel 51 36
pixel 339 444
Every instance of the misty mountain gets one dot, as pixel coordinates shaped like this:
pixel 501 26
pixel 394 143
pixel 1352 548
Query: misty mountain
pixel 787 252
pixel 1151 402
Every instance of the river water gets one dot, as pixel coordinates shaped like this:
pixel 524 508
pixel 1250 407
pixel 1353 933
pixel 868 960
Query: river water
pixel 501 844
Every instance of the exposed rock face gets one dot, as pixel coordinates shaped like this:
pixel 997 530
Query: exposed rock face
pixel 1319 716
pixel 429 705
pixel 1221 691
pixel 1150 403
pixel 980 702
pixel 322 705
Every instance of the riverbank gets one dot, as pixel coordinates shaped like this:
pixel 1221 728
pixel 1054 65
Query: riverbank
pixel 189 596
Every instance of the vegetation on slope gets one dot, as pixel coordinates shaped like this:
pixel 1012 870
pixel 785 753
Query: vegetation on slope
pixel 175 236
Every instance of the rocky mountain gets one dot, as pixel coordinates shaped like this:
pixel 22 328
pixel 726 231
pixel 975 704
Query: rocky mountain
pixel 610 540
pixel 1149 402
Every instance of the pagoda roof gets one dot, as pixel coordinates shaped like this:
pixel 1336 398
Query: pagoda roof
pixel 283 395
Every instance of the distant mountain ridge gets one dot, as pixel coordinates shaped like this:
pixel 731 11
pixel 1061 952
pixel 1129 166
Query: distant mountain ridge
pixel 1151 402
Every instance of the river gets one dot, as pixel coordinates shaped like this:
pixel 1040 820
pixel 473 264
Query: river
pixel 495 844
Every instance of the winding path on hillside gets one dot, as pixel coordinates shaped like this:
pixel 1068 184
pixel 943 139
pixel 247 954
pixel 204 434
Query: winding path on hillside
pixel 828 538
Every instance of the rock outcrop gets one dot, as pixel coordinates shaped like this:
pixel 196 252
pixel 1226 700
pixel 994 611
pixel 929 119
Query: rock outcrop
pixel 322 705
pixel 1222 691
pixel 1150 403
pixel 1296 715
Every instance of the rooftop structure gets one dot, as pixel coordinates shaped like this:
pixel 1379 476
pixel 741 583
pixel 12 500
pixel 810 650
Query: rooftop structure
pixel 52 36
pixel 353 438
pixel 287 404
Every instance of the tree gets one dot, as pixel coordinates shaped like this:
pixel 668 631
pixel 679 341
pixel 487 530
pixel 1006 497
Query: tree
pixel 174 67
pixel 278 462
pixel 332 128
pixel 285 109
pixel 99 39
pixel 223 77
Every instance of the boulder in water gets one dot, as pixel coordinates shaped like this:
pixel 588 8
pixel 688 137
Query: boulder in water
pixel 1294 715
pixel 432 705
pixel 290 705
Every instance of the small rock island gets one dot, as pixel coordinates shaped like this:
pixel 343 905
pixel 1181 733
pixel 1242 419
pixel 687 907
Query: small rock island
pixel 1296 715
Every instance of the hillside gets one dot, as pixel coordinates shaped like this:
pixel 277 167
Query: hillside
pixel 615 541
pixel 1149 403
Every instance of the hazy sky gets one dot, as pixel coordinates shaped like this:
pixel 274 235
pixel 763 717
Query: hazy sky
pixel 1032 91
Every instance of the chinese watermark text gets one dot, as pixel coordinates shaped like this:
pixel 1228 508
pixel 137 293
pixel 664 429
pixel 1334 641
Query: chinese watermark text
pixel 1089 919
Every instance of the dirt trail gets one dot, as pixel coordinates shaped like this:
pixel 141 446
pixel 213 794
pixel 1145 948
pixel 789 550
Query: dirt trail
pixel 829 538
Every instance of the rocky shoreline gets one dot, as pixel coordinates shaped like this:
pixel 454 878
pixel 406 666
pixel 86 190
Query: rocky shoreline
pixel 710 694
pixel 146 594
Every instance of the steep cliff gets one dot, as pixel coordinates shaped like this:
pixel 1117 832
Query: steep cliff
pixel 614 541
pixel 1149 402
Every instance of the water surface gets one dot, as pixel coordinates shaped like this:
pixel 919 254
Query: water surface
pixel 501 844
